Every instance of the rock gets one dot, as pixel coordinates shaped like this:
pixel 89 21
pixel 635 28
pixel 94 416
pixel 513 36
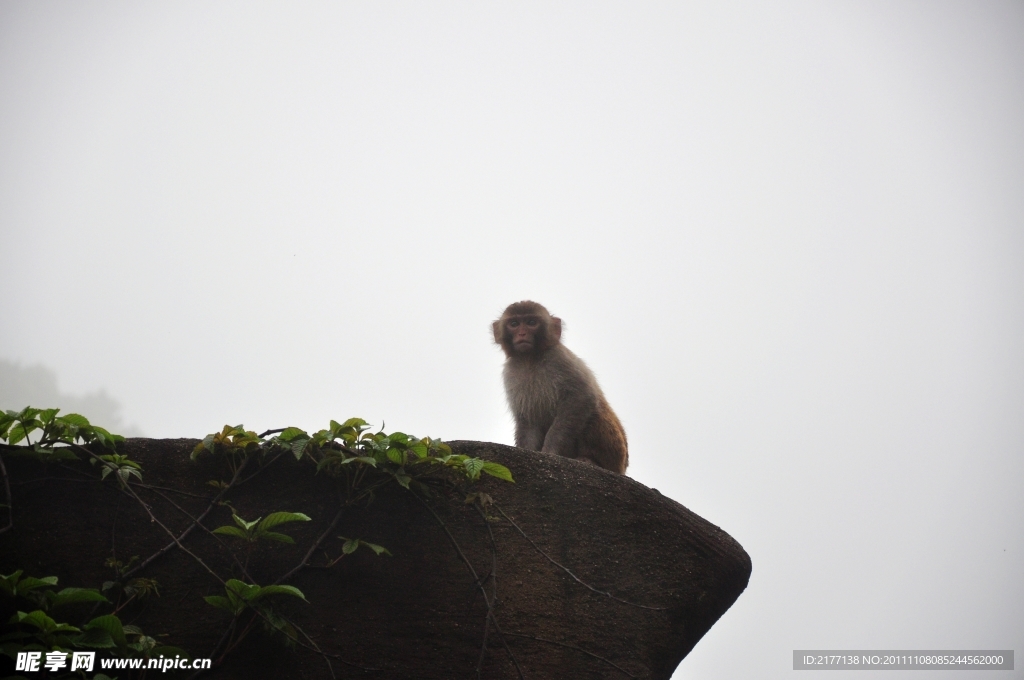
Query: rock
pixel 592 574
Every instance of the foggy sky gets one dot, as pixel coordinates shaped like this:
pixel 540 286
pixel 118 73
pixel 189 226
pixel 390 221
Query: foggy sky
pixel 788 240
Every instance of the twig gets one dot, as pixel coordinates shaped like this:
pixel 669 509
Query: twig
pixel 476 579
pixel 216 647
pixel 215 537
pixel 188 530
pixel 493 575
pixel 574 576
pixel 167 488
pixel 176 541
pixel 261 469
pixel 315 648
pixel 578 649
pixel 312 548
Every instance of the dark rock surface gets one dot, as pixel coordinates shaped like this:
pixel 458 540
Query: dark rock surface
pixel 420 613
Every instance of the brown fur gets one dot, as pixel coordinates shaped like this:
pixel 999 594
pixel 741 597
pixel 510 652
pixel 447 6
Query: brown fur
pixel 555 399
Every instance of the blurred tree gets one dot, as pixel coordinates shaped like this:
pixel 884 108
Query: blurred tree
pixel 37 386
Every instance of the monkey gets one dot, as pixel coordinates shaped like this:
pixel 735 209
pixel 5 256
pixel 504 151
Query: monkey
pixel 554 397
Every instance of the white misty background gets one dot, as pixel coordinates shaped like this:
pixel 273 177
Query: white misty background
pixel 787 239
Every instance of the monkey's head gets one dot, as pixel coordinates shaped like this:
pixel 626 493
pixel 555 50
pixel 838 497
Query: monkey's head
pixel 526 329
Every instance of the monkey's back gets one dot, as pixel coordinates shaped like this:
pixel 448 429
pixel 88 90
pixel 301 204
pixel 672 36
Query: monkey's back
pixel 604 440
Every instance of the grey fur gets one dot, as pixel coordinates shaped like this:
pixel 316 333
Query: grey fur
pixel 554 397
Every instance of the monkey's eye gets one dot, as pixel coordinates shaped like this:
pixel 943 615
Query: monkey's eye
pixel 513 324
pixel 533 323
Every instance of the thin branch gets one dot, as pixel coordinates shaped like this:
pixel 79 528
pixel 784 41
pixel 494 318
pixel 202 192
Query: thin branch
pixel 316 648
pixel 493 575
pixel 216 648
pixel 215 537
pixel 578 649
pixel 574 576
pixel 476 579
pixel 261 469
pixel 167 488
pixel 312 548
pixel 152 518
pixel 192 526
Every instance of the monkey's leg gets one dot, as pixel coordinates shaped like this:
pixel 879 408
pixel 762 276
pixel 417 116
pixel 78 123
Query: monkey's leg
pixel 529 437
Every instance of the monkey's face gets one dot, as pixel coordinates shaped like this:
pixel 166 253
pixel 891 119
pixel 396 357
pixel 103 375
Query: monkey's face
pixel 524 332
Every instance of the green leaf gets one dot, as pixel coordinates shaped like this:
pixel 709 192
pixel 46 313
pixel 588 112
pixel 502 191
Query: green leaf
pixel 75 419
pixel 239 590
pixel 379 549
pixel 498 470
pixel 473 467
pixel 108 440
pixel 26 413
pixel 96 638
pixel 6 420
pixel 125 472
pixel 403 479
pixel 242 523
pixel 352 544
pixel 397 456
pixel 112 625
pixel 231 531
pixel 360 459
pixel 9 583
pixel 298 447
pixel 205 445
pixel 238 593
pixel 13 584
pixel 281 590
pixel 73 595
pixel 292 433
pixel 275 519
pixel 17 433
pixel 275 536
pixel 46 416
pixel 43 622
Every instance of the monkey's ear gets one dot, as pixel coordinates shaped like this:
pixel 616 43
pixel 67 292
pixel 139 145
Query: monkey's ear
pixel 556 329
pixel 496 327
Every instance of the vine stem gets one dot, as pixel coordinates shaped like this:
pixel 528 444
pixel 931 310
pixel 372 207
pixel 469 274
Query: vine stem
pixel 176 540
pixel 312 549
pixel 476 579
pixel 214 536
pixel 494 587
pixel 188 530
pixel 578 649
pixel 574 576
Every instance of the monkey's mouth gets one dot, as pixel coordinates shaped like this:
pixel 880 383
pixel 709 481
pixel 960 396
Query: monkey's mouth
pixel 522 345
